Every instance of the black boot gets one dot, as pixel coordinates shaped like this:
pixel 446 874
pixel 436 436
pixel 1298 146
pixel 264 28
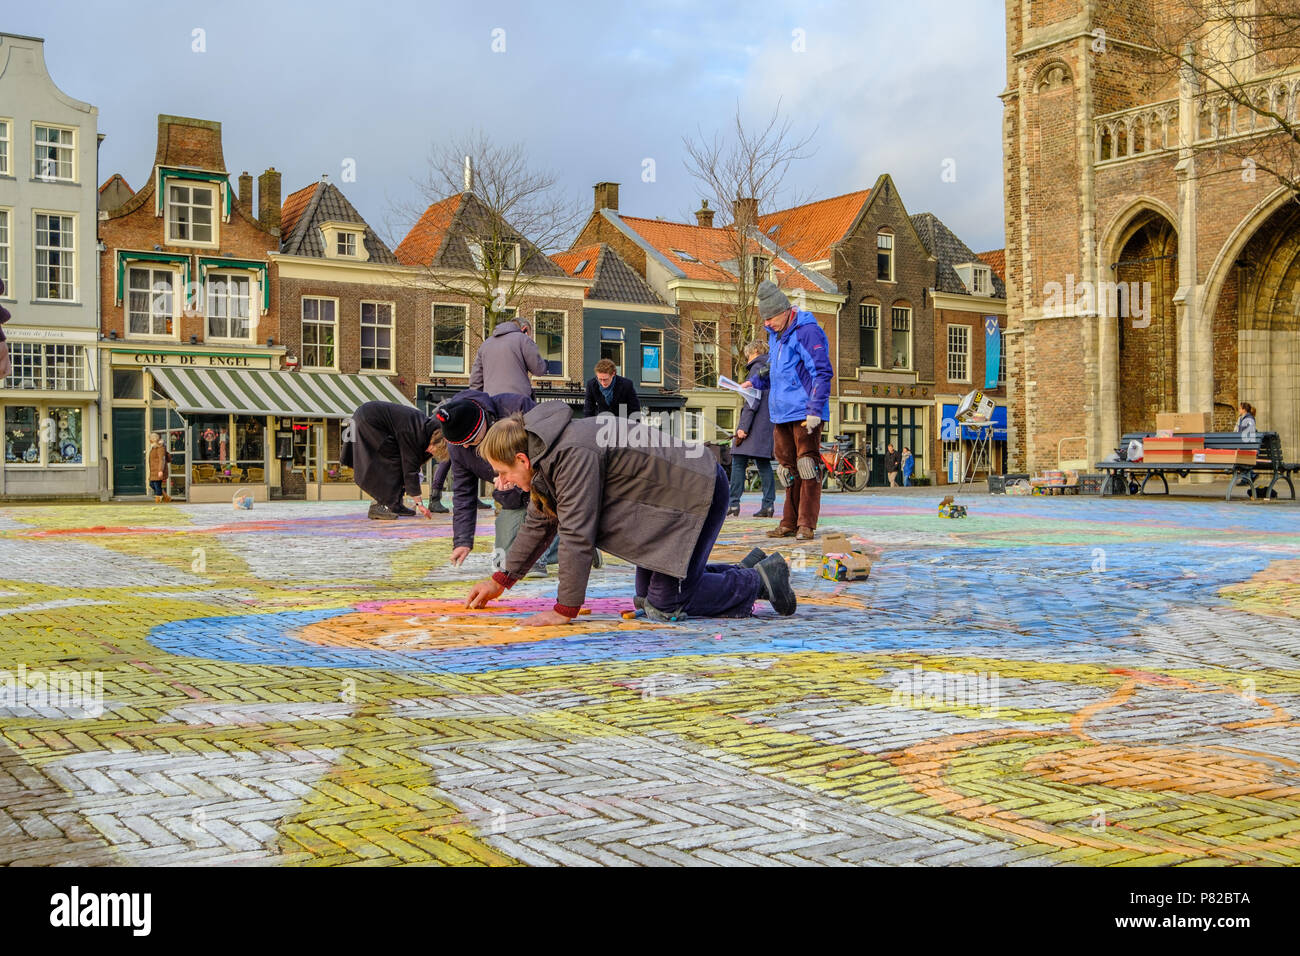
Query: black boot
pixel 774 575
pixel 751 559
pixel 763 513
pixel 437 507
pixel 733 511
pixel 380 513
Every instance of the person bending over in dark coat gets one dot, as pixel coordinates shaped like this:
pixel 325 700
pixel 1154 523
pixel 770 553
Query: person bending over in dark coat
pixel 657 506
pixel 464 419
pixel 390 444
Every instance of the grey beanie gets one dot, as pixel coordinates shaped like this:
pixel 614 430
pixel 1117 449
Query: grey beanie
pixel 771 300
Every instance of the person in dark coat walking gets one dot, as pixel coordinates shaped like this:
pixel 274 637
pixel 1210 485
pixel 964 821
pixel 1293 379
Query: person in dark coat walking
pixel 390 444
pixel 610 393
pixel 657 505
pixel 893 464
pixel 754 437
pixel 464 419
pixel 502 363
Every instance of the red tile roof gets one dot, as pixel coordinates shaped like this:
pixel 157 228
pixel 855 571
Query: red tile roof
pixel 807 231
pixel 109 181
pixel 424 241
pixel 293 206
pixel 572 258
pixel 707 246
pixel 997 260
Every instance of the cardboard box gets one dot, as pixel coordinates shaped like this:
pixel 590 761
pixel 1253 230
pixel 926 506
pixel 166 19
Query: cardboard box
pixel 840 562
pixel 1168 457
pixel 1195 423
pixel 1176 443
pixel 1228 456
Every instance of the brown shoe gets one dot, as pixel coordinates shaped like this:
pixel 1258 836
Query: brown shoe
pixel 805 534
pixel 781 531
pixel 157 499
pixel 167 499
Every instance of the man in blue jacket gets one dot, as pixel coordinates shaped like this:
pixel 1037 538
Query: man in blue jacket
pixel 799 375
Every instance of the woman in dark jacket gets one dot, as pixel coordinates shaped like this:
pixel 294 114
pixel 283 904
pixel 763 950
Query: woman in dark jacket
pixel 626 489
pixel 754 437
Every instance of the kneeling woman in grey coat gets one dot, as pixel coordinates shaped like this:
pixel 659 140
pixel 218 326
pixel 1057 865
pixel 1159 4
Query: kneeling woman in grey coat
pixel 625 491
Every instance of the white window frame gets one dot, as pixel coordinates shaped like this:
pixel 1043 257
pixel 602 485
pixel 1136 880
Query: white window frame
pixel 621 340
pixel 641 344
pixel 1002 358
pixel 43 406
pixel 72 148
pixel 392 337
pixel 43 352
pixel 434 371
pixel 564 344
pixel 893 270
pixel 302 309
pixel 695 344
pixel 7 138
pixel 480 260
pixel 911 337
pixel 168 222
pixel 76 241
pixel 959 352
pixel 756 274
pixel 178 295
pixel 879 351
pixel 7 247
pixel 253 296
pixel 346 239
pixel 982 280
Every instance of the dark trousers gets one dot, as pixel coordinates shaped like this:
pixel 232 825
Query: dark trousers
pixel 708 590
pixel 803 498
pixel 738 465
pixel 156 488
pixel 439 479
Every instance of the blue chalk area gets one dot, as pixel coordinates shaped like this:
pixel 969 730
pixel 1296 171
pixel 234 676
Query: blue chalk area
pixel 1045 600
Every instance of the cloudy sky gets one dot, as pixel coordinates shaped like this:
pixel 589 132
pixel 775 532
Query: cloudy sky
pixel 591 89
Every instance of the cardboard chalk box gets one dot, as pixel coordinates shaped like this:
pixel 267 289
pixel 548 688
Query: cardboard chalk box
pixel 1169 457
pixel 1173 443
pixel 840 562
pixel 1195 423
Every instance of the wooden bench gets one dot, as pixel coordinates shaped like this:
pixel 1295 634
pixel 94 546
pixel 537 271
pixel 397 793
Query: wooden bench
pixel 1269 463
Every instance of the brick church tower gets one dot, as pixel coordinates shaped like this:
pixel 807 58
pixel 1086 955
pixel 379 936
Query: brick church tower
pixel 1152 261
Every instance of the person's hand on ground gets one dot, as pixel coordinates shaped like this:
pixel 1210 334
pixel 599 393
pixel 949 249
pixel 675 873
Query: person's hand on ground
pixel 482 592
pixel 422 511
pixel 811 423
pixel 544 618
pixel 458 555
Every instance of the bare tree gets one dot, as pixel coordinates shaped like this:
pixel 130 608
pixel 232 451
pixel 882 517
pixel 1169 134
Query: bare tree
pixel 1231 51
pixel 511 215
pixel 742 170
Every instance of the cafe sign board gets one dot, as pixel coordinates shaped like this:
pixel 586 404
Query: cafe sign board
pixel 139 358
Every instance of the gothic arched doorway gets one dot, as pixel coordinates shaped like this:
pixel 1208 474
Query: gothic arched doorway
pixel 1142 301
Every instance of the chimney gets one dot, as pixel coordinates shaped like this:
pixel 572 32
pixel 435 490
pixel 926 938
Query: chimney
pixel 607 196
pixel 704 215
pixel 246 192
pixel 268 205
pixel 745 212
pixel 468 175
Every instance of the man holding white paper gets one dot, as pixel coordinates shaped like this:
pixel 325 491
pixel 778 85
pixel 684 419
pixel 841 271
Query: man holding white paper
pixel 800 373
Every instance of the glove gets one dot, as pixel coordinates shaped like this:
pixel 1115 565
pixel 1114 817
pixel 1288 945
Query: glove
pixel 811 423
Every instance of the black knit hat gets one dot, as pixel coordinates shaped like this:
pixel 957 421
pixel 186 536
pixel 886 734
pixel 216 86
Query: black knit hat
pixel 460 420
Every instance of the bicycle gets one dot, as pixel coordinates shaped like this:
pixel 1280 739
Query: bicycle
pixel 849 468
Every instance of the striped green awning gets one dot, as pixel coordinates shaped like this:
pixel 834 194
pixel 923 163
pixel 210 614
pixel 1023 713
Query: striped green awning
pixel 242 391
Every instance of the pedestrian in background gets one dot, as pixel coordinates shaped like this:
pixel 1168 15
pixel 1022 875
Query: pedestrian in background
pixel 610 393
pixel 893 464
pixel 754 438
pixel 158 460
pixel 1246 420
pixel 909 464
pixel 800 374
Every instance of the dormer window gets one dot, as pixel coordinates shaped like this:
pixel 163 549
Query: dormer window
pixel 976 277
pixel 483 255
pixel 190 213
pixel 347 244
pixel 759 266
pixel 344 240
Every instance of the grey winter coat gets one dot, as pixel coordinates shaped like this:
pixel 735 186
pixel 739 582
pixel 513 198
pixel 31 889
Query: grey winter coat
pixel 756 422
pixel 503 362
pixel 614 490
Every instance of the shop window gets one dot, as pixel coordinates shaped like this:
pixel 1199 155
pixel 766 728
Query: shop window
pixel 305 451
pixel 210 440
pixel 901 342
pixel 319 329
pixel 128 383
pixel 150 301
pixel 56 275
pixel 22 435
pixel 611 347
pixel 652 371
pixel 168 423
pixel 62 432
pixel 377 336
pixel 869 335
pixel 334 470
pixel 250 448
pixel 229 305
pixel 450 323
pixel 549 330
